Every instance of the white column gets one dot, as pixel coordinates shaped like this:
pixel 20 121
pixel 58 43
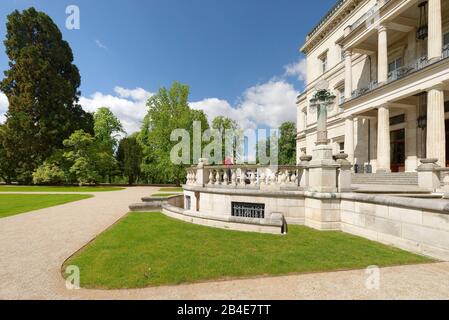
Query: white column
pixel 411 151
pixel 436 133
pixel 348 74
pixel 383 140
pixel 435 41
pixel 349 139
pixel 382 60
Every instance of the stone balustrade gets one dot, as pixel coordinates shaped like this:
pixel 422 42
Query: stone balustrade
pixel 248 176
pixel 291 177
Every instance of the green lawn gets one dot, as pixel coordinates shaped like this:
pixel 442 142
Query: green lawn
pixel 12 204
pixel 150 249
pixel 171 190
pixel 56 189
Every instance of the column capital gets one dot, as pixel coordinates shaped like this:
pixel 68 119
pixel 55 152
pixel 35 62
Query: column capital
pixel 347 30
pixel 384 106
pixel 440 86
pixel 382 28
pixel 348 117
pixel 348 53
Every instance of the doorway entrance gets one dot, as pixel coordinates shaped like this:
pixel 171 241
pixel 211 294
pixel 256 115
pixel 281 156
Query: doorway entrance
pixel 398 150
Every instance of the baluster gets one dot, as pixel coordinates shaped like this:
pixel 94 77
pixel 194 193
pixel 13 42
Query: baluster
pixel 278 177
pixel 211 177
pixel 253 178
pixel 233 177
pixel 294 178
pixel 217 178
pixel 225 177
pixel 283 177
pixel 270 178
pixel 263 178
pixel 242 177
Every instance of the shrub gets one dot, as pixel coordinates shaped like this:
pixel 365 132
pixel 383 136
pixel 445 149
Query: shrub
pixel 49 173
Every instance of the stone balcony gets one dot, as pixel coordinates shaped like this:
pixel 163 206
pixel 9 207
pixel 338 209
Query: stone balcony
pixel 400 73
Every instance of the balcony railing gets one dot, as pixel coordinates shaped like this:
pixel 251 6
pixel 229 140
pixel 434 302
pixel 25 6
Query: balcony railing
pixel 361 91
pixel 446 51
pixel 406 70
pixel 400 73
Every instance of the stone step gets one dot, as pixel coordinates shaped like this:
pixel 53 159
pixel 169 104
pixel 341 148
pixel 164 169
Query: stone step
pixel 409 178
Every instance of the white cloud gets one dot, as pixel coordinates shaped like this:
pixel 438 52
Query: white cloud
pixel 134 94
pixel 268 104
pixel 127 105
pixel 100 45
pixel 4 103
pixel 297 69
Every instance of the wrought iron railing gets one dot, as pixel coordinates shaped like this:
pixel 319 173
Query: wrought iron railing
pixel 400 73
pixel 446 51
pixel 361 91
pixel 406 70
pixel 248 210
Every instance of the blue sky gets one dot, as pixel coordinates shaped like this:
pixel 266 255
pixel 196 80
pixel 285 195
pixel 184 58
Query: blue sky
pixel 240 57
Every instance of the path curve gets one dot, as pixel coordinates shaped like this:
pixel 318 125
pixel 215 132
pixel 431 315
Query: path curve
pixel 34 245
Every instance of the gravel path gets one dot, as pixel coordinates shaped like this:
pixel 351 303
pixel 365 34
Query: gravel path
pixel 34 246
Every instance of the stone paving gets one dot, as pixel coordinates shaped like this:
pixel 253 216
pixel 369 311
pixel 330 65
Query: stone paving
pixel 35 245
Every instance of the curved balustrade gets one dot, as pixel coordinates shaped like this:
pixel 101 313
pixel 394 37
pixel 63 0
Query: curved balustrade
pixel 248 176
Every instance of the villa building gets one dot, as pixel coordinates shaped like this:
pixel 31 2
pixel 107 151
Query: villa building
pixel 387 61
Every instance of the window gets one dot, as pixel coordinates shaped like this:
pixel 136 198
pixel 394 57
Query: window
pixel 341 94
pixel 341 147
pixel 394 65
pixel 446 39
pixel 324 63
pixel 393 69
pixel 248 210
pixel 342 53
pixel 188 205
pixel 397 120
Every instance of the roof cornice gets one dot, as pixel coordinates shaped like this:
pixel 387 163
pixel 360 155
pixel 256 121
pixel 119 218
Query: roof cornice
pixel 338 13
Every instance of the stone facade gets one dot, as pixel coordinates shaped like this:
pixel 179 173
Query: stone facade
pixel 411 224
pixel 385 81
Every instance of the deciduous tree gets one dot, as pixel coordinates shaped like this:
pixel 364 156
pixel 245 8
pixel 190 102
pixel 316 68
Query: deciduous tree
pixel 287 144
pixel 168 110
pixel 82 152
pixel 129 156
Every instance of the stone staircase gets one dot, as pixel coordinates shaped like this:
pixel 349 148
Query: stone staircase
pixel 386 179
